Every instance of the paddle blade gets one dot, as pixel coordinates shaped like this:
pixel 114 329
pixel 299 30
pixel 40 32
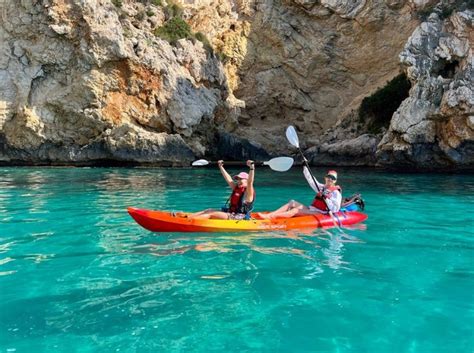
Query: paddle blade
pixel 200 163
pixel 292 136
pixel 280 164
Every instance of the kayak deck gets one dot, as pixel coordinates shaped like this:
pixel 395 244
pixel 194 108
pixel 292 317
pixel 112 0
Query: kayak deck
pixel 161 221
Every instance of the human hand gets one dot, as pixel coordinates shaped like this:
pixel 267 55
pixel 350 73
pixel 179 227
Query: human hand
pixel 220 163
pixel 251 164
pixel 326 194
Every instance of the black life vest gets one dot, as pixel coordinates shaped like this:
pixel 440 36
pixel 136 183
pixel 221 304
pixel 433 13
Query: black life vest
pixel 319 202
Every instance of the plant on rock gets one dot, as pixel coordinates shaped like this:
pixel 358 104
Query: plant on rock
pixel 174 29
pixel 376 110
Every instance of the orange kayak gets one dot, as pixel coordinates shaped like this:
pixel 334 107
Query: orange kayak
pixel 161 221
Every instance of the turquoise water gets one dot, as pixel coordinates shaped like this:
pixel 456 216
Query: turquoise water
pixel 78 275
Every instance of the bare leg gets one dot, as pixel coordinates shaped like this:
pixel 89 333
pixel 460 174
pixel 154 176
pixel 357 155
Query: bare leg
pixel 213 215
pixel 287 214
pixel 307 211
pixel 201 213
pixel 284 211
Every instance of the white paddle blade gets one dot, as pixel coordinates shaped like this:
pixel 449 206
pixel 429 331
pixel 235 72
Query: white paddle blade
pixel 280 164
pixel 292 136
pixel 200 163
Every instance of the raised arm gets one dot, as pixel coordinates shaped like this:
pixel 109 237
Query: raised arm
pixel 310 181
pixel 226 175
pixel 250 192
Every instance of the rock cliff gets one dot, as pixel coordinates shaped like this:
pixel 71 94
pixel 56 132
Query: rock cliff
pixel 434 126
pixel 86 81
pixel 98 81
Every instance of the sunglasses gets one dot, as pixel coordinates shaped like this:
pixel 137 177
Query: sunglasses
pixel 331 177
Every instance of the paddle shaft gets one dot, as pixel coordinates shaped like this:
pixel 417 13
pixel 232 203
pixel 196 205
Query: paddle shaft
pixel 292 137
pixel 235 163
pixel 305 161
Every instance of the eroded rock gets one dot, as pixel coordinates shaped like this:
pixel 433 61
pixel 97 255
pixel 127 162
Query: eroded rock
pixel 432 127
pixel 77 74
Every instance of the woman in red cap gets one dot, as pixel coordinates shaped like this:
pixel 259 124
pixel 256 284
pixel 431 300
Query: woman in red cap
pixel 329 195
pixel 241 200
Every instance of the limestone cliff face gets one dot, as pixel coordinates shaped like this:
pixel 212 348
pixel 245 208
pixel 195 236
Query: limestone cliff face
pixel 435 125
pixel 84 81
pixel 303 62
pixel 311 63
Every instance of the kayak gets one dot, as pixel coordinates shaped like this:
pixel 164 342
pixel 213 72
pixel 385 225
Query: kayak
pixel 162 221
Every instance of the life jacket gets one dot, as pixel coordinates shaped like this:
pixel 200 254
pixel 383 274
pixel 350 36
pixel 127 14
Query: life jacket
pixel 319 202
pixel 236 201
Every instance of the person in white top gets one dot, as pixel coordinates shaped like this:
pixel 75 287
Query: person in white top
pixel 328 199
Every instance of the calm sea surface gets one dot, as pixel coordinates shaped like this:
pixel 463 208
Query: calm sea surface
pixel 78 275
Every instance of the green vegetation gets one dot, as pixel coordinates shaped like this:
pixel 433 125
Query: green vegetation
pixel 153 2
pixel 140 16
pixel 174 29
pixel 222 57
pixel 173 10
pixel 376 111
pixel 203 39
pixel 119 3
pixel 150 13
pixel 127 33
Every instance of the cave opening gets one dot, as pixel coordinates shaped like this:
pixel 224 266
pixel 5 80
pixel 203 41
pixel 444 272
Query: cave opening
pixel 446 69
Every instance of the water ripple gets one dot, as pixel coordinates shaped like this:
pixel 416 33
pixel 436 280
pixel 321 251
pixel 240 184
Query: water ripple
pixel 74 264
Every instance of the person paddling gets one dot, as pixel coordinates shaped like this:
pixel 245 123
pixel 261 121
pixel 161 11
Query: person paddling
pixel 330 194
pixel 240 202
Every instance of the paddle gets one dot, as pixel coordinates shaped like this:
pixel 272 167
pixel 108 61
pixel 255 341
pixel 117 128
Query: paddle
pixel 292 137
pixel 279 164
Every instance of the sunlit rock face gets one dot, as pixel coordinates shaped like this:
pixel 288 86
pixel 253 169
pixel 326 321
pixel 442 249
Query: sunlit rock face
pixel 84 80
pixel 310 64
pixel 87 81
pixel 434 126
pixel 307 63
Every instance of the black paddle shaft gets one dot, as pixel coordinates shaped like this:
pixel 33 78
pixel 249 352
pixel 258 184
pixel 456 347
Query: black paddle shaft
pixel 236 163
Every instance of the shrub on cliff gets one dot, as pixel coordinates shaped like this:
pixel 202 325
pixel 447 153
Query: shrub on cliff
pixel 173 10
pixel 147 2
pixel 203 39
pixel 376 111
pixel 174 29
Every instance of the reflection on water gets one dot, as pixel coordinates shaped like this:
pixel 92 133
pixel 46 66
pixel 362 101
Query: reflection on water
pixel 321 246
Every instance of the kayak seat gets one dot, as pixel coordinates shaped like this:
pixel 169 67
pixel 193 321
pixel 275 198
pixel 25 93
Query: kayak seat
pixel 353 203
